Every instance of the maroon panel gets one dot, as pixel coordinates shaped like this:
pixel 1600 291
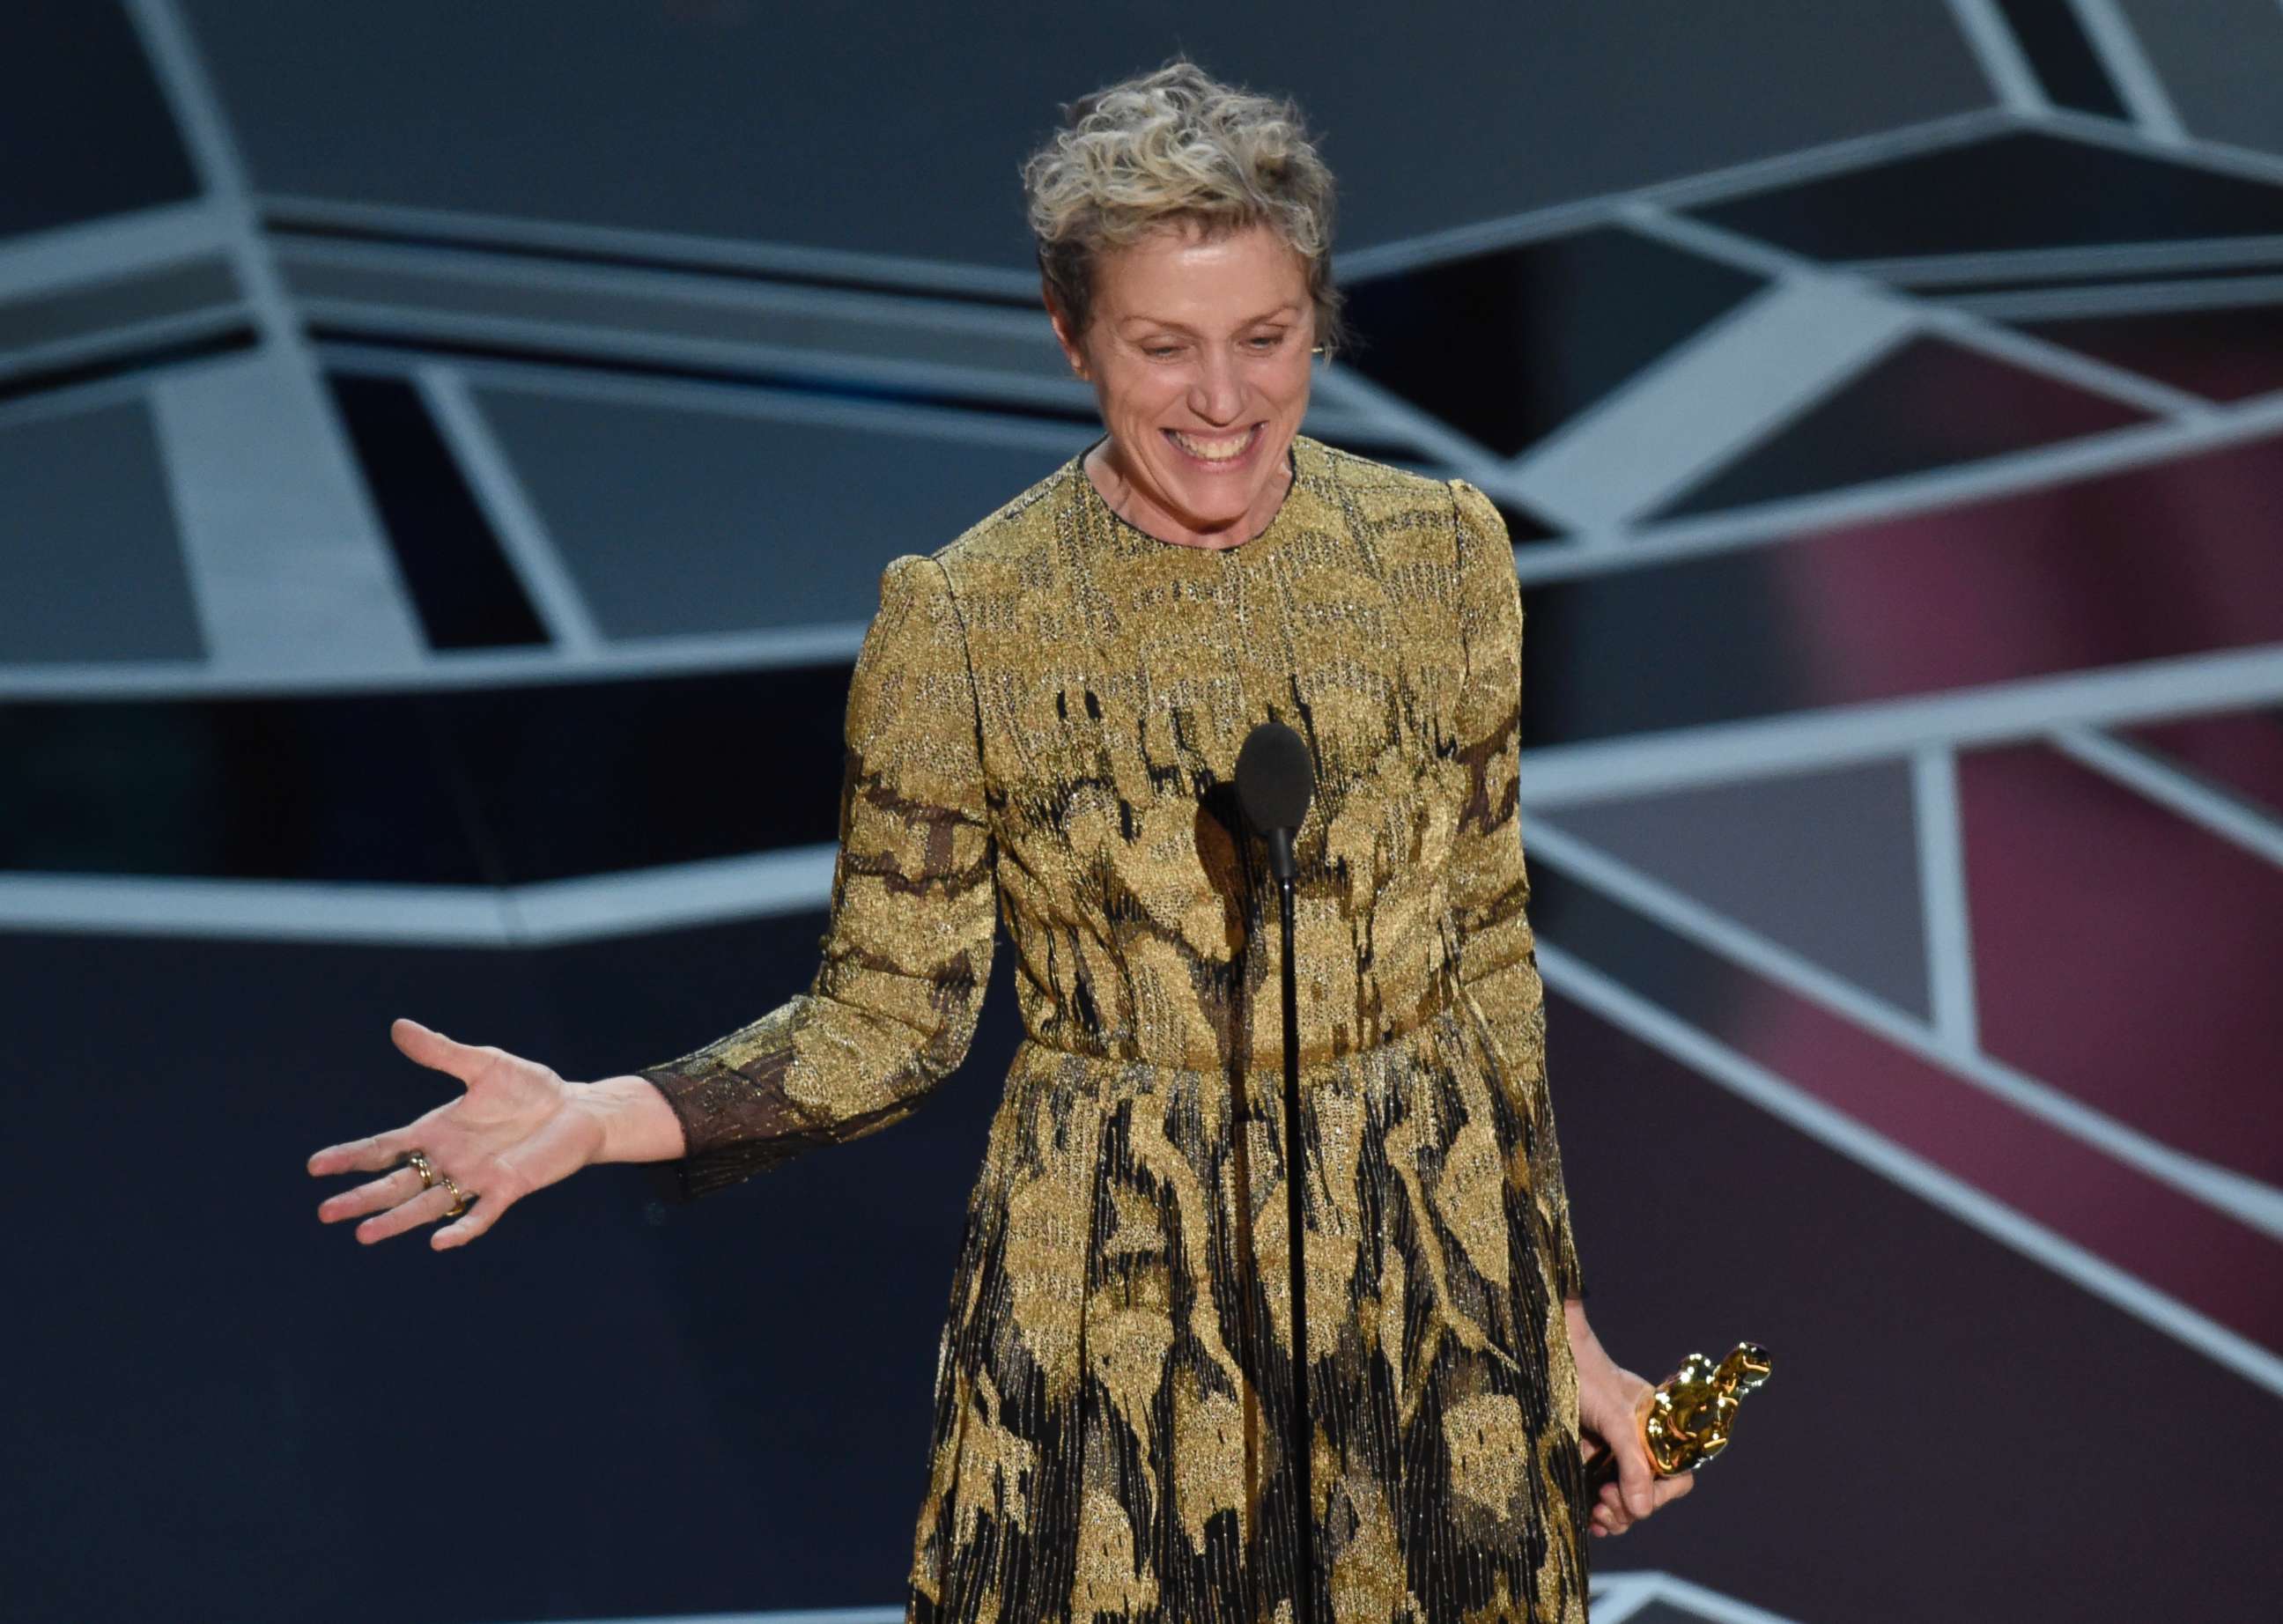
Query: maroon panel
pixel 2174 558
pixel 1953 1432
pixel 2184 1247
pixel 2179 1245
pixel 2126 955
pixel 2241 751
pixel 2178 557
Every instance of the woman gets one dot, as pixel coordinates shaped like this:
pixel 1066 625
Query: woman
pixel 1043 722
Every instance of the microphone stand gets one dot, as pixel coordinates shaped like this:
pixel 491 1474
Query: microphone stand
pixel 1302 1434
pixel 1276 780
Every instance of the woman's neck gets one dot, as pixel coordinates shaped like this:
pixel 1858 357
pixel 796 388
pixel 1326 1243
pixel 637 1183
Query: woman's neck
pixel 1106 470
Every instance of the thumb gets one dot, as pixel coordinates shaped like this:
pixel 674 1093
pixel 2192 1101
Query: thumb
pixel 1636 1483
pixel 429 1047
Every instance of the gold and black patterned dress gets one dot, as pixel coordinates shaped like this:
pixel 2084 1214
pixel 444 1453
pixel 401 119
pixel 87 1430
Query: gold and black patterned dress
pixel 1042 727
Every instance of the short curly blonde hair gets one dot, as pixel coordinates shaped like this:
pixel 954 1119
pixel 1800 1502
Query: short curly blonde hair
pixel 1174 146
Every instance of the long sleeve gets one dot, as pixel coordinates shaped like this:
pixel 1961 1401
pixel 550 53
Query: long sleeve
pixel 893 1004
pixel 1489 884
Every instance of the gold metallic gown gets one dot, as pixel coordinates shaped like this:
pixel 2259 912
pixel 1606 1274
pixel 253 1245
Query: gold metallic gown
pixel 1043 726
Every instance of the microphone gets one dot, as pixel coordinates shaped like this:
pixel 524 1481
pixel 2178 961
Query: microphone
pixel 1275 780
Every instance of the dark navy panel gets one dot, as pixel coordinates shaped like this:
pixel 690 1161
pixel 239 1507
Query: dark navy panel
pixel 2219 62
pixel 97 307
pixel 2061 55
pixel 227 337
pixel 467 595
pixel 91 568
pixel 1507 346
pixel 767 1353
pixel 2081 275
pixel 85 127
pixel 1930 404
pixel 1825 863
pixel 898 130
pixel 346 788
pixel 495 786
pixel 2223 355
pixel 2021 191
pixel 593 778
pixel 678 519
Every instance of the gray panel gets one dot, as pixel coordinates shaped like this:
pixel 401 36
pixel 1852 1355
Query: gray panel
pixel 1824 864
pixel 2221 62
pixel 675 521
pixel 899 131
pixel 1770 361
pixel 89 560
pixel 97 307
pixel 292 574
pixel 881 327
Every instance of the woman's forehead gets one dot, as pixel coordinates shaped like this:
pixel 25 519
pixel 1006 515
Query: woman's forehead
pixel 1239 276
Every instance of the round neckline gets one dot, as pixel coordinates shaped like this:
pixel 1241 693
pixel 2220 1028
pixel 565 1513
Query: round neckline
pixel 1259 543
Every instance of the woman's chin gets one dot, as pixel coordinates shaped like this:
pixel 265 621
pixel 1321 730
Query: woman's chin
pixel 1211 512
pixel 1213 499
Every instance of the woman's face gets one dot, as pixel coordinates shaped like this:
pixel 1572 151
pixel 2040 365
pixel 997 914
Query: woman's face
pixel 1198 353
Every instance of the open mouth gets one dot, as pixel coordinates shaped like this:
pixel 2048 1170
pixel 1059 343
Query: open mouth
pixel 1216 450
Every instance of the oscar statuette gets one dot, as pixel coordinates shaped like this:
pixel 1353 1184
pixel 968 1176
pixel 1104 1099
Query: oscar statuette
pixel 1685 1421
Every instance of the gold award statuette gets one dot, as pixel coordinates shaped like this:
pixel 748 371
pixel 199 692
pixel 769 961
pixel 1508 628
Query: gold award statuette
pixel 1686 1421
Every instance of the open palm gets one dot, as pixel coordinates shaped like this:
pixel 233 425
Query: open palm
pixel 513 1131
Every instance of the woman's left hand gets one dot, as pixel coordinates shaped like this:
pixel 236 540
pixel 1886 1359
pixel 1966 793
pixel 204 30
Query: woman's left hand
pixel 1609 1400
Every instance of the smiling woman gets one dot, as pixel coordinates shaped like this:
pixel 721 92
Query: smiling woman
pixel 1184 237
pixel 1152 1403
pixel 1199 354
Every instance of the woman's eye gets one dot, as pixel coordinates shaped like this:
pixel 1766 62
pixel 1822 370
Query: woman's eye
pixel 1261 344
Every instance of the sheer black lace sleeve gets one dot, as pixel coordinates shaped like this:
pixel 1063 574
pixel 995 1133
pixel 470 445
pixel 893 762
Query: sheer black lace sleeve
pixel 894 1004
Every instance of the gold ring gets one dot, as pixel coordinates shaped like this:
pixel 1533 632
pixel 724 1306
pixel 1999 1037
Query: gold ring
pixel 460 1198
pixel 419 1163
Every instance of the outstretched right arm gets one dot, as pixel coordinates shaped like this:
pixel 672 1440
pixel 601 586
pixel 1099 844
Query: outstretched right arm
pixel 890 1013
pixel 517 1127
pixel 896 996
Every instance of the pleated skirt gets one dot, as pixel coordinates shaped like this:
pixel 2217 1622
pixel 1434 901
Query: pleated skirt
pixel 1114 1412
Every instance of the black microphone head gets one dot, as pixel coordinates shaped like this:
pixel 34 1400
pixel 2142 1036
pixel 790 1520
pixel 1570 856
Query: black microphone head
pixel 1275 778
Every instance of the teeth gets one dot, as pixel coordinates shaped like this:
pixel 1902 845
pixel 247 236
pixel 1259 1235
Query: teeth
pixel 1217 450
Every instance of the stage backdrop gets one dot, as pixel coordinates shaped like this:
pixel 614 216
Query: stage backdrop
pixel 447 456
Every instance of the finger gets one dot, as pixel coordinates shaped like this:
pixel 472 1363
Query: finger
pixel 375 1154
pixel 401 1186
pixel 432 1049
pixel 1667 1490
pixel 1611 1506
pixel 424 1207
pixel 1635 1483
pixel 479 1218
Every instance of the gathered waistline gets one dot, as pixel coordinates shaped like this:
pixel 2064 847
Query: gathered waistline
pixel 1432 1020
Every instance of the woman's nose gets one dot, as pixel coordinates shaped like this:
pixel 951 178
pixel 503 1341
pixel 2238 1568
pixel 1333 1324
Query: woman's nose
pixel 1217 394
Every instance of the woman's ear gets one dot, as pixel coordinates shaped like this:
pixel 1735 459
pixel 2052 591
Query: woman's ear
pixel 1072 351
